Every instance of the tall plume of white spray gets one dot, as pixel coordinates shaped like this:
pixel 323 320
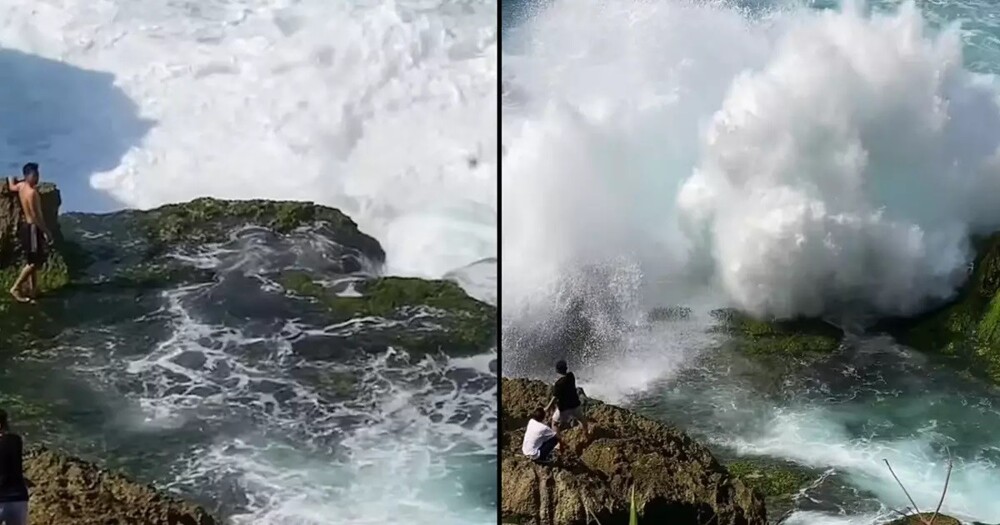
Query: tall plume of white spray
pixel 811 163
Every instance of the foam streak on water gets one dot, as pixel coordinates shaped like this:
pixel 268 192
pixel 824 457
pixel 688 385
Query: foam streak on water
pixel 386 109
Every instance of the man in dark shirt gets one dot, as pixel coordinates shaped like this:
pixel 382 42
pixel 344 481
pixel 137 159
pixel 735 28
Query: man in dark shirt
pixel 567 401
pixel 13 487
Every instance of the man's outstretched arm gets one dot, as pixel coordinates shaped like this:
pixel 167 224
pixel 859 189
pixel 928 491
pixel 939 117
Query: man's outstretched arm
pixel 13 185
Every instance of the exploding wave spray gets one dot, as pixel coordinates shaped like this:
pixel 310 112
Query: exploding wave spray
pixel 849 170
pixel 814 160
pixel 793 162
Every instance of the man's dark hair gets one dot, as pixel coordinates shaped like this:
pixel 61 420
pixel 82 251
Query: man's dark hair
pixel 4 420
pixel 538 414
pixel 561 366
pixel 30 168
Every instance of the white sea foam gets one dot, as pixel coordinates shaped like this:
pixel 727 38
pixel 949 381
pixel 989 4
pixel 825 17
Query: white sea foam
pixel 818 438
pixel 819 518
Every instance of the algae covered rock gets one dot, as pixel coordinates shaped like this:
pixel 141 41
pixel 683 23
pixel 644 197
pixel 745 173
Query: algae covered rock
pixel 140 248
pixel 797 337
pixel 70 491
pixel 207 220
pixel 676 479
pixel 965 331
pixel 777 481
pixel 429 315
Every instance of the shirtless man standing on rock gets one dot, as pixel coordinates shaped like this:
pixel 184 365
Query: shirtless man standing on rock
pixel 33 233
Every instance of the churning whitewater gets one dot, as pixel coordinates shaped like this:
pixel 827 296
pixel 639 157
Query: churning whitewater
pixel 384 109
pixel 786 158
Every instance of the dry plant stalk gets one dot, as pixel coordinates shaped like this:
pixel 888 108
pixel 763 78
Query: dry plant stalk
pixel 586 510
pixel 917 512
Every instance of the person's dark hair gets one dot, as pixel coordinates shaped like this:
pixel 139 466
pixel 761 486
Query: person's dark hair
pixel 538 414
pixel 561 366
pixel 4 420
pixel 30 168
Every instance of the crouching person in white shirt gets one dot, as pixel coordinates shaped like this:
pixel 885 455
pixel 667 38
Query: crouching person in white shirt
pixel 539 439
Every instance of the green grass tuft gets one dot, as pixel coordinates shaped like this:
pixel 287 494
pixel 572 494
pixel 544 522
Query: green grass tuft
pixel 633 514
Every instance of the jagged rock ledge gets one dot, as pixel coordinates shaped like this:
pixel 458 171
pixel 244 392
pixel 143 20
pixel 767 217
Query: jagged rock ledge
pixel 676 479
pixel 70 491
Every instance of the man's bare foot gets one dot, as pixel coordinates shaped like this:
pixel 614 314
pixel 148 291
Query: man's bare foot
pixel 18 297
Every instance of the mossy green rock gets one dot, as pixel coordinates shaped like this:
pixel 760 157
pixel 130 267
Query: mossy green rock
pixel 768 479
pixel 798 337
pixel 133 248
pixel 466 325
pixel 208 220
pixel 965 332
pixel 777 482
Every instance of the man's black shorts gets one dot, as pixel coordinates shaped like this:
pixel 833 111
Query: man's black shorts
pixel 546 449
pixel 33 244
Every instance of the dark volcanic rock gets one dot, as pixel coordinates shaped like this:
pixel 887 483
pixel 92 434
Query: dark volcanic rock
pixel 676 479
